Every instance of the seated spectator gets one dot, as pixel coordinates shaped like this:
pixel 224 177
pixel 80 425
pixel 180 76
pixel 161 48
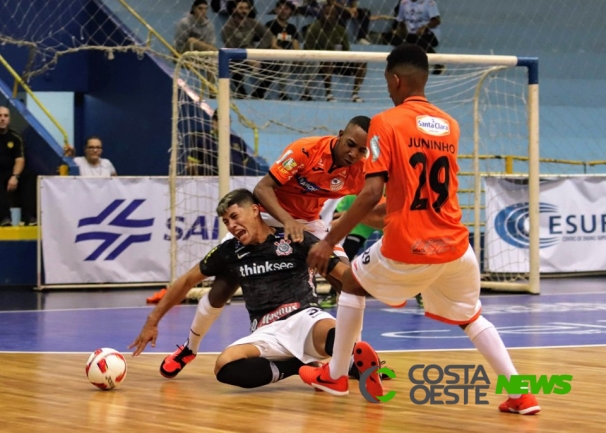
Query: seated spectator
pixel 13 177
pixel 195 32
pixel 226 7
pixel 309 8
pixel 204 150
pixel 287 38
pixel 327 34
pixel 91 164
pixel 418 22
pixel 348 9
pixel 241 31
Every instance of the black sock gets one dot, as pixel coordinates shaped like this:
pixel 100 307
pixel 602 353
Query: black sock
pixel 255 372
pixel 330 341
pixel 288 368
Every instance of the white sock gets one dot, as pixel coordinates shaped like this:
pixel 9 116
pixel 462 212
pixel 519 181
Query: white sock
pixel 489 343
pixel 206 314
pixel 350 314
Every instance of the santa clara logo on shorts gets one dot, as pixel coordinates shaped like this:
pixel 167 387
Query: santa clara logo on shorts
pixel 336 184
pixel 283 247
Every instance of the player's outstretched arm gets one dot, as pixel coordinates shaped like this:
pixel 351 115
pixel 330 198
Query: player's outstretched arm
pixel 264 191
pixel 367 199
pixel 175 294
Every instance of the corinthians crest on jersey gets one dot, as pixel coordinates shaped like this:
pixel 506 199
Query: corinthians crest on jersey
pixel 283 247
pixel 336 184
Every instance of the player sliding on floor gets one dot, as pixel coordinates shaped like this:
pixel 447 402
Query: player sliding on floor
pixel 288 327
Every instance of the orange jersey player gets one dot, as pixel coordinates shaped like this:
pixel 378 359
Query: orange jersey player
pixel 311 171
pixel 425 247
pixel 415 145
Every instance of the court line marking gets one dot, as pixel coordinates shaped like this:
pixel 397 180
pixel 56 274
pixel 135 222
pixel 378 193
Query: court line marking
pixel 90 309
pixel 2 352
pixel 241 303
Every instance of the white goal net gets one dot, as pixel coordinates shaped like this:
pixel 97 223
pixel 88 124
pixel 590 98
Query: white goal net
pixel 489 97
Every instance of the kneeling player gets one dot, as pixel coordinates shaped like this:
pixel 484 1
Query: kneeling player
pixel 288 327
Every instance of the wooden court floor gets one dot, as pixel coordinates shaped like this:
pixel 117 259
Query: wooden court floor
pixel 50 393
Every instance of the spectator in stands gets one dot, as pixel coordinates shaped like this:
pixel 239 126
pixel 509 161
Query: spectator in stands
pixel 195 32
pixel 202 158
pixel 327 34
pixel 226 7
pixel 348 9
pixel 309 8
pixel 241 31
pixel 12 165
pixel 418 22
pixel 91 164
pixel 287 38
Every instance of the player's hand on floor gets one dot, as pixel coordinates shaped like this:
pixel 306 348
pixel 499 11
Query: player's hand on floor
pixel 148 334
pixel 318 256
pixel 294 230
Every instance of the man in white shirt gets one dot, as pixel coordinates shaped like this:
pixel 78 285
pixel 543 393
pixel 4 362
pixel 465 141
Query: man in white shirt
pixel 418 22
pixel 91 164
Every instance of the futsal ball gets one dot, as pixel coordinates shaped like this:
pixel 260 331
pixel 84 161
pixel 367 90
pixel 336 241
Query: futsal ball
pixel 106 368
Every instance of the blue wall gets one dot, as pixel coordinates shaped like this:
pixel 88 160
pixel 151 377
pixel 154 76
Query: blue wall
pixel 128 106
pixel 126 101
pixel 43 154
pixel 62 76
pixel 18 268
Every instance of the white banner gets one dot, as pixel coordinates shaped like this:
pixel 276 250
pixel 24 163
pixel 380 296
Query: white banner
pixel 572 224
pixel 117 230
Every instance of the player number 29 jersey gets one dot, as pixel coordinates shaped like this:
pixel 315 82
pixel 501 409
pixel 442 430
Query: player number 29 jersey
pixel 415 145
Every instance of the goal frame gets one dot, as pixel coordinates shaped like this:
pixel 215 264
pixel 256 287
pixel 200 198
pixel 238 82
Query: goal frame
pixel 227 55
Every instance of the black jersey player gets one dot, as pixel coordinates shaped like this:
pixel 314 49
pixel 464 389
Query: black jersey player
pixel 289 329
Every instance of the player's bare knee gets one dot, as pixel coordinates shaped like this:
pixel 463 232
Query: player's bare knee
pixel 224 358
pixel 334 282
pixel 233 353
pixel 351 285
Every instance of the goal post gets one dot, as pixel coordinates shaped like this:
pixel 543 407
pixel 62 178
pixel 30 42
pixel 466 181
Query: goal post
pixel 494 98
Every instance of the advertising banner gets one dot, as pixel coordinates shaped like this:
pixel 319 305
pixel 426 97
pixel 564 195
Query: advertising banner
pixel 117 230
pixel 572 224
